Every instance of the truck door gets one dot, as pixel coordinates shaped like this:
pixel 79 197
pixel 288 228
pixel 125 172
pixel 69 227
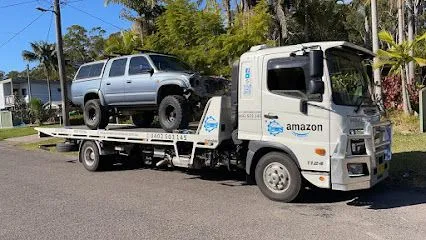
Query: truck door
pixel 113 82
pixel 283 87
pixel 139 85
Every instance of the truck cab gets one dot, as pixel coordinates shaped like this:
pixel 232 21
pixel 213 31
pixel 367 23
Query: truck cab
pixel 313 103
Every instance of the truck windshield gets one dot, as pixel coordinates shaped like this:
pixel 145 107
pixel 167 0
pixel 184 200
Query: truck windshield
pixel 167 63
pixel 349 78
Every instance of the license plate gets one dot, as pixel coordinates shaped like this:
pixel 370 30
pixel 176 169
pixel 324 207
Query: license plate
pixel 380 169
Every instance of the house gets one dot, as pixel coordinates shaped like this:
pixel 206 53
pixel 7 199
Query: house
pixel 9 88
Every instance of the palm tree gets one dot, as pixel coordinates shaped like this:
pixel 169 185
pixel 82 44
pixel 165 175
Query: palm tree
pixel 147 11
pixel 397 57
pixel 45 54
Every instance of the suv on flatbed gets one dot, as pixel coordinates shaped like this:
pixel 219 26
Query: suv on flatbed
pixel 141 86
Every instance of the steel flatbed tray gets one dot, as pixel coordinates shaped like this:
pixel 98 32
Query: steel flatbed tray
pixel 213 128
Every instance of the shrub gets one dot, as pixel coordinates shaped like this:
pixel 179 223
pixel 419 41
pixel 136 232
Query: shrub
pixel 37 111
pixel 392 93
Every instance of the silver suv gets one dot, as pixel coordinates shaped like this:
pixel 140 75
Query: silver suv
pixel 143 85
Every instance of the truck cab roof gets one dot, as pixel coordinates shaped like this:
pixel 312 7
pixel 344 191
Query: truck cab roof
pixel 260 50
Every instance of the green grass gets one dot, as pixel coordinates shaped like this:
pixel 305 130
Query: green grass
pixel 16 132
pixel 20 131
pixel 36 145
pixel 409 159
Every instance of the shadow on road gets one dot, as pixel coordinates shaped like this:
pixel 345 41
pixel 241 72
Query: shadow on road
pixel 385 195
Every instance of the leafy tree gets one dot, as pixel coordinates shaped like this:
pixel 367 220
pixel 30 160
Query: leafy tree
pixel 146 13
pixel 2 75
pixel 14 74
pixel 397 57
pixel 127 42
pixel 45 54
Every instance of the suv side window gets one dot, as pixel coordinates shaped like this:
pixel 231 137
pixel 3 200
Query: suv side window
pixel 90 71
pixel 118 67
pixel 287 77
pixel 139 65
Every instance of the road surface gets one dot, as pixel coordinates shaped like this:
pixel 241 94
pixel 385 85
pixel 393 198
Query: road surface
pixel 50 196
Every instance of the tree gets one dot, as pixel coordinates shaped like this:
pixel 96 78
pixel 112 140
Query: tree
pixel 2 75
pixel 127 42
pixel 146 13
pixel 45 54
pixel 397 57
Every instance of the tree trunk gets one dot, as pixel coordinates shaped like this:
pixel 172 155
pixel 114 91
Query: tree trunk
pixel 375 44
pixel 406 105
pixel 367 39
pixel 49 92
pixel 280 14
pixel 411 65
pixel 227 5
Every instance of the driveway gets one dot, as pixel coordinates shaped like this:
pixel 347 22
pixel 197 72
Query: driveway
pixel 50 196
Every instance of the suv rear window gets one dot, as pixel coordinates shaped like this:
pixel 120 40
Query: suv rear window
pixel 90 71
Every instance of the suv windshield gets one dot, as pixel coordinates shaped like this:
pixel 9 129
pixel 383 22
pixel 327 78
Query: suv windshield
pixel 167 63
pixel 349 79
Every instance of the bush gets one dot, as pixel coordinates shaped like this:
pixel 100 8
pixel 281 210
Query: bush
pixel 392 93
pixel 403 123
pixel 37 111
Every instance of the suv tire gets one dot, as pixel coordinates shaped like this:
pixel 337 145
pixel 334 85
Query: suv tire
pixel 95 115
pixel 143 119
pixel 173 113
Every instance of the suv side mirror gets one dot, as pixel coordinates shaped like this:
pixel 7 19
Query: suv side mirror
pixel 150 71
pixel 316 87
pixel 316 63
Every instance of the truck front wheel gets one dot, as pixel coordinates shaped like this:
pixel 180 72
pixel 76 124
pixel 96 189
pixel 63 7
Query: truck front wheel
pixel 173 113
pixel 95 115
pixel 278 177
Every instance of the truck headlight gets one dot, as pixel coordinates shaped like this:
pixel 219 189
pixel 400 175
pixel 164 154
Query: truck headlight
pixel 357 169
pixel 358 147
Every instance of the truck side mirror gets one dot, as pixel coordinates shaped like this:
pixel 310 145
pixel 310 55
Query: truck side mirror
pixel 316 86
pixel 316 63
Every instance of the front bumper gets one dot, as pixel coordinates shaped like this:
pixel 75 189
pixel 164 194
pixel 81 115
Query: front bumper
pixel 376 161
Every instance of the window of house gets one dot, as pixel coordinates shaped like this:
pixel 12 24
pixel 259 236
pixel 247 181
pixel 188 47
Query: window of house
pixel 118 67
pixel 139 65
pixel 287 77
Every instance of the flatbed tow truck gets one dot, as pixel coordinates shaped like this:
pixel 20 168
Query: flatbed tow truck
pixel 285 123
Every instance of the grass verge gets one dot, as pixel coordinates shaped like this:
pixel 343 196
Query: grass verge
pixel 16 132
pixel 408 163
pixel 35 145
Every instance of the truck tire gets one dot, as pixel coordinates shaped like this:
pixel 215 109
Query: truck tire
pixel 278 177
pixel 173 113
pixel 90 157
pixel 143 119
pixel 66 147
pixel 95 115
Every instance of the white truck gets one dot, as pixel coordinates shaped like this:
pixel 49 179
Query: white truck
pixel 296 114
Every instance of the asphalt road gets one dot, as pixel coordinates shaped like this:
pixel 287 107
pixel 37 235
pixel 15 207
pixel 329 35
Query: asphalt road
pixel 48 196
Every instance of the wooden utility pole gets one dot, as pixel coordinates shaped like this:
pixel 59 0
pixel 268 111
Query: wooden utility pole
pixel 61 64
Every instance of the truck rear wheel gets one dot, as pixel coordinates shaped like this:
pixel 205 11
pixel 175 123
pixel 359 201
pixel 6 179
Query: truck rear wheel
pixel 95 115
pixel 173 113
pixel 143 119
pixel 90 157
pixel 278 177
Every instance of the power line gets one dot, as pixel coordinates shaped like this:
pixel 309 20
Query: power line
pixel 20 31
pixel 17 4
pixel 93 16
pixel 50 26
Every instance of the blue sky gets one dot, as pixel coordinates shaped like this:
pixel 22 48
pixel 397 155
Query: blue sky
pixel 15 18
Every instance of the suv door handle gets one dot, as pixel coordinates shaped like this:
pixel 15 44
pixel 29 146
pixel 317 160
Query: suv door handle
pixel 108 83
pixel 270 116
pixel 129 81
